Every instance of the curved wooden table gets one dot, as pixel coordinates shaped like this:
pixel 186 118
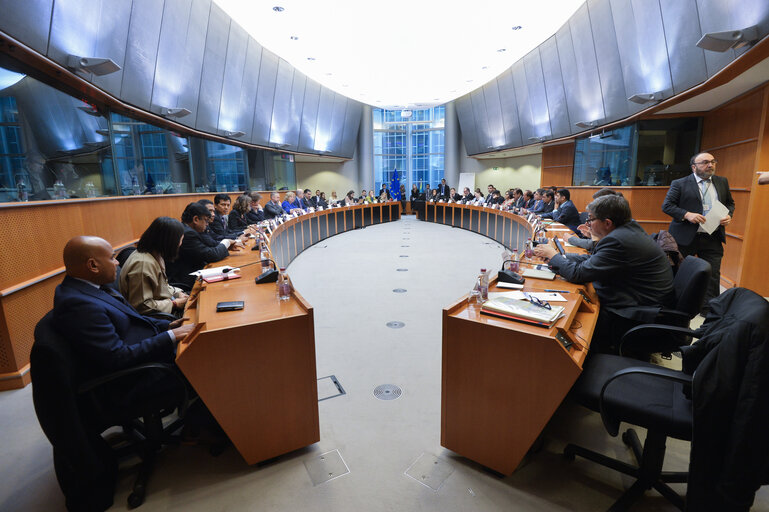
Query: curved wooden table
pixel 255 368
pixel 502 380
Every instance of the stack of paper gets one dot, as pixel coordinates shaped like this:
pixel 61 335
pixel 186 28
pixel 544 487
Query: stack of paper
pixel 522 311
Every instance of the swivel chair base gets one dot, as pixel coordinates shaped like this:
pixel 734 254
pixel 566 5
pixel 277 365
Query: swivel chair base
pixel 648 473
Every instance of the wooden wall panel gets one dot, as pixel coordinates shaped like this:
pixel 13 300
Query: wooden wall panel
pixel 740 218
pixel 738 120
pixel 730 265
pixel 557 165
pixel 735 162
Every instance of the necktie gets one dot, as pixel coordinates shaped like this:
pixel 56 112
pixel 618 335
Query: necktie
pixel 113 293
pixel 707 202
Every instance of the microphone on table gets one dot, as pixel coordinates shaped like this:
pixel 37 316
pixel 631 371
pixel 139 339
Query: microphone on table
pixel 508 276
pixel 268 276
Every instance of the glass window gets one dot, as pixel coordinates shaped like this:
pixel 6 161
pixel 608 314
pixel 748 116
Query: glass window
pixel 606 159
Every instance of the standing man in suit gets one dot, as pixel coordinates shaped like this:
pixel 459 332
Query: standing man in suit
pixel 443 190
pixel 566 213
pixel 688 200
pixel 631 275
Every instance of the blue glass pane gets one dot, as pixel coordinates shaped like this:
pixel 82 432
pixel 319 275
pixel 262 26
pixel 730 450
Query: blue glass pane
pixel 606 159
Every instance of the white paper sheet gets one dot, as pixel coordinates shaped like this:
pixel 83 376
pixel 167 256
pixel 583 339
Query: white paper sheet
pixel 713 219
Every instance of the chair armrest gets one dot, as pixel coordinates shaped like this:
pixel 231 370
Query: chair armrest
pixel 656 338
pixel 163 316
pixel 655 372
pixel 672 317
pixel 169 369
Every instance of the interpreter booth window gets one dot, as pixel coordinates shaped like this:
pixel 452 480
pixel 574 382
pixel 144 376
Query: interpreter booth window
pixel 647 153
pixel 413 144
pixel 268 170
pixel 52 146
pixel 149 160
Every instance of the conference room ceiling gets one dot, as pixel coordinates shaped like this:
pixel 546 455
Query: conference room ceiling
pixel 401 53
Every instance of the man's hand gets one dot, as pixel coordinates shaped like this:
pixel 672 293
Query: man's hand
pixel 181 332
pixel 726 220
pixel 180 301
pixel 545 251
pixel 176 323
pixel 694 218
pixel 585 230
pixel 566 239
pixel 763 178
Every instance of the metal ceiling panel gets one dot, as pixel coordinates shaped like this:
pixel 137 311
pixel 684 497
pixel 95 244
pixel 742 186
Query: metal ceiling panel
pixel 324 128
pixel 748 13
pixel 281 122
pixel 496 135
pixel 212 79
pixel 186 60
pixel 248 88
pixel 73 30
pixel 716 16
pixel 111 43
pixel 535 81
pixel 294 121
pixel 682 31
pixel 29 25
pixel 509 109
pixel 168 71
pixel 336 128
pixel 352 120
pixel 525 117
pixel 577 55
pixel 141 52
pixel 265 94
pixel 481 120
pixel 309 116
pixel 615 102
pixel 556 97
pixel 231 117
pixel 467 124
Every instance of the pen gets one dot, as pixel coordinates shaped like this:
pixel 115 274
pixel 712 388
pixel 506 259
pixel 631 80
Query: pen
pixel 558 291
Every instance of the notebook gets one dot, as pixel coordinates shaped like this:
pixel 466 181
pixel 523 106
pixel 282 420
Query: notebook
pixel 538 274
pixel 522 311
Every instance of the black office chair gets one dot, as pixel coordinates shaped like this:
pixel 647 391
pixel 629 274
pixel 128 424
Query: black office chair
pixel 727 377
pixel 73 417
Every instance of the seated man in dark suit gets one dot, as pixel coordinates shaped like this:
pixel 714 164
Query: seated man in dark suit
pixel 567 213
pixel 220 228
pixel 630 273
pixel 306 200
pixel 273 208
pixel 467 195
pixel 547 204
pixel 106 333
pixel 197 249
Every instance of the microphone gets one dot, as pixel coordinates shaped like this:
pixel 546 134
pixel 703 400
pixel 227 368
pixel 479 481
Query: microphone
pixel 268 276
pixel 508 276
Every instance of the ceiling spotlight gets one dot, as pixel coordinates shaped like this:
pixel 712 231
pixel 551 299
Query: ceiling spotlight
pixel 294 38
pixel 728 40
pixel 517 27
pixel 502 50
pixel 537 139
pixel 174 112
pixel 310 58
pixel 648 97
pixel 228 133
pixel 278 8
pixel 96 66
pixel 586 124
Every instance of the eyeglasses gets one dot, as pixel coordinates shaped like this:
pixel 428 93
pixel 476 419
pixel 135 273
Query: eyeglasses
pixel 706 162
pixel 589 220
pixel 539 302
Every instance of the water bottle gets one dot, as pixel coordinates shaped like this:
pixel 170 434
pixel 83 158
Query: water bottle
pixel 59 192
pixel 483 286
pixel 22 191
pixel 135 188
pixel 514 263
pixel 528 251
pixel 284 285
pixel 90 190
pixel 264 255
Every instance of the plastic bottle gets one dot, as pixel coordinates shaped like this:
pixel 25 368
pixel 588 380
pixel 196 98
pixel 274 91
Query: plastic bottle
pixel 59 192
pixel 135 188
pixel 514 264
pixel 529 249
pixel 264 255
pixel 483 285
pixel 22 191
pixel 284 285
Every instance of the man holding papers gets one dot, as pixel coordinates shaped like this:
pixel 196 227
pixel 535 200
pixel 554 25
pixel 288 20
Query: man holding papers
pixel 701 206
pixel 630 273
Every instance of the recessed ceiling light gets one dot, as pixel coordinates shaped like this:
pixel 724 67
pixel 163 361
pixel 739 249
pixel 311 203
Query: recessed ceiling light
pixel 468 81
pixel 278 8
pixel 436 99
pixel 485 67
pixel 517 27
pixel 294 38
pixel 310 58
pixel 328 74
pixel 345 85
pixel 502 50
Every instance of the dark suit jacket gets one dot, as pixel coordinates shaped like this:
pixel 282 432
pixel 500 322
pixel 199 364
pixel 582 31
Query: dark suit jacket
pixel 630 273
pixel 520 202
pixel 272 210
pixel 106 333
pixel 443 190
pixel 255 216
pixel 542 207
pixel 236 222
pixel 567 215
pixel 684 196
pixel 218 230
pixel 195 253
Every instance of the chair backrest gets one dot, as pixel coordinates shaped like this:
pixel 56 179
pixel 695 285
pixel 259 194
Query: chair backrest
pixel 690 284
pixel 583 217
pixel 123 255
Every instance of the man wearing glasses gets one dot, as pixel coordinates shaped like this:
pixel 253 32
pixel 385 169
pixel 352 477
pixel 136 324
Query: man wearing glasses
pixel 687 202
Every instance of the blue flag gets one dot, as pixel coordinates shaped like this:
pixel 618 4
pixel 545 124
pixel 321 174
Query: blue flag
pixel 395 185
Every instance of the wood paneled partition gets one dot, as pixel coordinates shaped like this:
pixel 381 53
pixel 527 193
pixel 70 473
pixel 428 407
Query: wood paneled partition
pixel 737 134
pixel 31 266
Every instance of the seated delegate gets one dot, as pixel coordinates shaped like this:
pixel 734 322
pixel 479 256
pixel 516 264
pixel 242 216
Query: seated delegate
pixel 143 280
pixel 256 212
pixel 630 273
pixel 237 220
pixel 197 250
pixel 273 207
pixel 291 204
pixel 566 213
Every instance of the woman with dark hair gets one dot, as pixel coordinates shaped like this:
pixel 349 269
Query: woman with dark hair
pixel 349 199
pixel 237 218
pixel 143 280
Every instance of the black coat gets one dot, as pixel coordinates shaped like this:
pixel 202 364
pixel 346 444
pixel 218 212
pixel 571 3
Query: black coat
pixel 730 391
pixel 684 196
pixel 195 253
pixel 272 210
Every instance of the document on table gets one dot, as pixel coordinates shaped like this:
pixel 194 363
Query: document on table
pixel 713 219
pixel 545 296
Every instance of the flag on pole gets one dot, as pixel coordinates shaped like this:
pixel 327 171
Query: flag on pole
pixel 395 185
